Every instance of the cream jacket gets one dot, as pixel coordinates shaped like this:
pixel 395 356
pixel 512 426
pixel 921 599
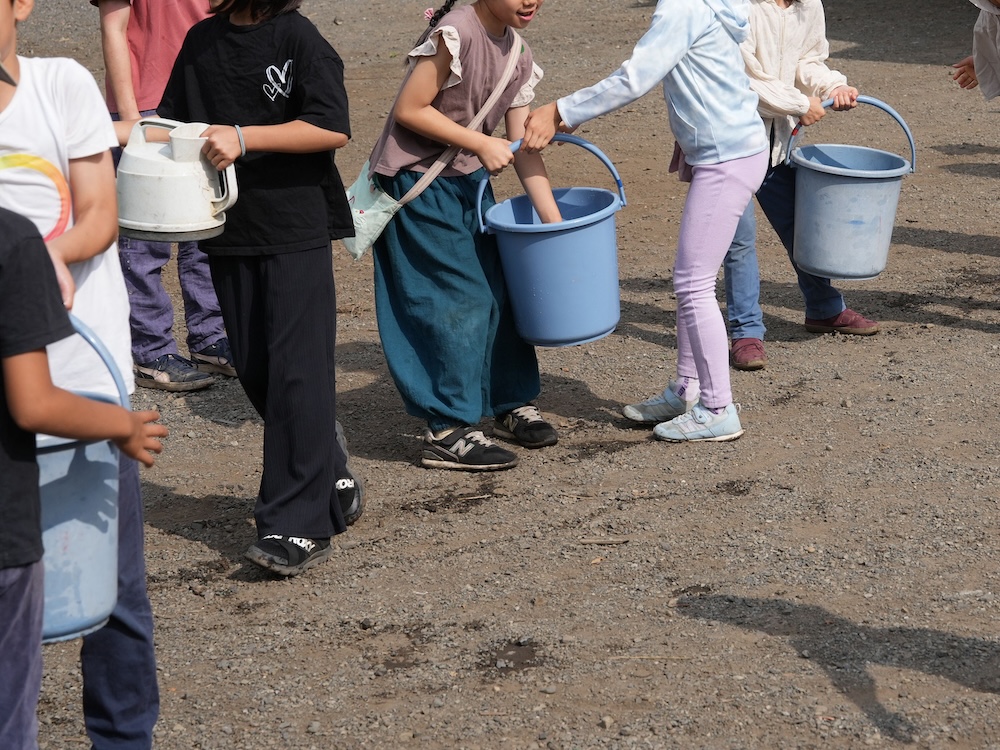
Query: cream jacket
pixel 986 48
pixel 785 56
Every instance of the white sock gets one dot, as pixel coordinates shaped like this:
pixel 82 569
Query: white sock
pixel 686 388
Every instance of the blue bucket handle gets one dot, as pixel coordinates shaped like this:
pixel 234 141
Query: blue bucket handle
pixel 862 99
pixel 102 351
pixel 567 138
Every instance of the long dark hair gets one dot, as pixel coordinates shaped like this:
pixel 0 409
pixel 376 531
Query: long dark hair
pixel 438 15
pixel 260 10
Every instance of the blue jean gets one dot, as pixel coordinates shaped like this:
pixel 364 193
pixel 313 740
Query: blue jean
pixel 742 274
pixel 22 595
pixel 445 321
pixel 151 315
pixel 121 699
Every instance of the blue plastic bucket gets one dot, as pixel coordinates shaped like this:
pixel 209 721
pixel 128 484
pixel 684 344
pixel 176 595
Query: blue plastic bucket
pixel 845 204
pixel 562 278
pixel 78 483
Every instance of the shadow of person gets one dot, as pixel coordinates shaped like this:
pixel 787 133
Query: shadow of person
pixel 845 649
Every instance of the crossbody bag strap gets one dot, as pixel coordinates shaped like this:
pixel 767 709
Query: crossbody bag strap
pixel 445 159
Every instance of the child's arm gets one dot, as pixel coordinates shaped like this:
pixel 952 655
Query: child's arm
pixel 38 406
pixel 414 110
pixel 965 75
pixel 117 58
pixel 95 209
pixel 531 170
pixel 296 137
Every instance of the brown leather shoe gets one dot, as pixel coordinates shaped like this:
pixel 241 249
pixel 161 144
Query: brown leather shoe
pixel 748 354
pixel 848 322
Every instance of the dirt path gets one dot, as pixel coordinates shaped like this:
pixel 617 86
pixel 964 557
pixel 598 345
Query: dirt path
pixel 829 580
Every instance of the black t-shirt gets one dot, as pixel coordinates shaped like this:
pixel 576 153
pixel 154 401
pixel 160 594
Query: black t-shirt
pixel 31 316
pixel 267 74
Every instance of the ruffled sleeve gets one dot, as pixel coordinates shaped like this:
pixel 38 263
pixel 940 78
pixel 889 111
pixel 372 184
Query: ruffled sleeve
pixel 430 47
pixel 527 93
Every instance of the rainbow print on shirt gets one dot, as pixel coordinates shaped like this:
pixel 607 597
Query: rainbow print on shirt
pixel 47 168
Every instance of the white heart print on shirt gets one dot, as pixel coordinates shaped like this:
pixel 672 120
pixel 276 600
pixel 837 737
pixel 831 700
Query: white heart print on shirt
pixel 280 81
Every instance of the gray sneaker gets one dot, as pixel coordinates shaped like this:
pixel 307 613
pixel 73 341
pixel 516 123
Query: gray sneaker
pixel 701 425
pixel 171 372
pixel 661 407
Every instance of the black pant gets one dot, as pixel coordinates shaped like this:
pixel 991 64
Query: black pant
pixel 280 313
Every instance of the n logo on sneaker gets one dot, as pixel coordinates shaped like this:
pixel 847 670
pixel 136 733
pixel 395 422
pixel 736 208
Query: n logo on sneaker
pixel 462 447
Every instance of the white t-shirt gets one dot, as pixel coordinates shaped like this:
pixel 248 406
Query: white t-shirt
pixel 58 114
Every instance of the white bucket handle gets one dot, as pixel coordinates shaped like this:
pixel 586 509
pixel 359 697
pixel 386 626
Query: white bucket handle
pixel 567 138
pixel 862 99
pixel 227 177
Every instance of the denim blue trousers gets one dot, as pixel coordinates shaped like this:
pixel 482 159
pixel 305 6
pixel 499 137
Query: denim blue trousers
pixel 446 324
pixel 151 313
pixel 121 698
pixel 742 273
pixel 21 604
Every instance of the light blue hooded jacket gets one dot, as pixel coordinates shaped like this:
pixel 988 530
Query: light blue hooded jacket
pixel 692 46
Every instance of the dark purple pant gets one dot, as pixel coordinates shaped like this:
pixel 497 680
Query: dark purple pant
pixel 21 599
pixel 151 312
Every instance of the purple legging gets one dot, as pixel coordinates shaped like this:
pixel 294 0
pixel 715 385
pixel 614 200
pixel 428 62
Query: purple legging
pixel 718 195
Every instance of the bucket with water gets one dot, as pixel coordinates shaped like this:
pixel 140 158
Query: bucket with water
pixel 845 203
pixel 562 278
pixel 78 482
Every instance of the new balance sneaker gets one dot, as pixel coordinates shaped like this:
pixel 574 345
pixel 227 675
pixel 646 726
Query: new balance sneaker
pixel 171 372
pixel 526 427
pixel 660 407
pixel 288 555
pixel 748 354
pixel 849 322
pixel 700 425
pixel 351 496
pixel 465 449
pixel 217 357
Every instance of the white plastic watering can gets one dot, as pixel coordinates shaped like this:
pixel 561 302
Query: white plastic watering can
pixel 168 191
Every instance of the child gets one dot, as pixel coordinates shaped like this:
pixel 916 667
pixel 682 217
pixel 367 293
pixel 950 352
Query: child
pixel 274 87
pixel 692 47
pixel 785 56
pixel 140 40
pixel 443 315
pixel 56 169
pixel 32 316
pixel 983 65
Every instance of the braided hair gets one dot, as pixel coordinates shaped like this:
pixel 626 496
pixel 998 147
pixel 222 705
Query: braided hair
pixel 433 20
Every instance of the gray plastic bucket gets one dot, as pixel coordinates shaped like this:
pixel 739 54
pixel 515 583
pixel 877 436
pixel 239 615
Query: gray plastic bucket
pixel 78 483
pixel 845 204
pixel 562 278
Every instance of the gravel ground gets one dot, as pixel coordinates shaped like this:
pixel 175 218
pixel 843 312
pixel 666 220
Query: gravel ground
pixel 829 580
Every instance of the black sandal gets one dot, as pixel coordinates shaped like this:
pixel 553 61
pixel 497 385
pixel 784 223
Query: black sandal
pixel 288 555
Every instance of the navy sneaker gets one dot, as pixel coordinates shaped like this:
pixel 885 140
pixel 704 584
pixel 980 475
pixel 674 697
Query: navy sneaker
pixel 217 357
pixel 171 372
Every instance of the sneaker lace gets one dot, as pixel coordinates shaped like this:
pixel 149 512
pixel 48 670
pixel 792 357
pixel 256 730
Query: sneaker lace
pixel 477 436
pixel 529 413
